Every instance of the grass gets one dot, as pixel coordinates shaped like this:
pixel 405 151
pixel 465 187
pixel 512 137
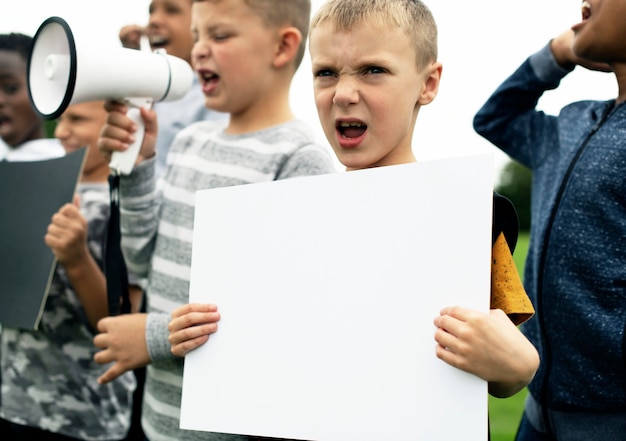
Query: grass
pixel 505 413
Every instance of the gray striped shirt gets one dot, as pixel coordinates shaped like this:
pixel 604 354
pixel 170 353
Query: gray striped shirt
pixel 157 228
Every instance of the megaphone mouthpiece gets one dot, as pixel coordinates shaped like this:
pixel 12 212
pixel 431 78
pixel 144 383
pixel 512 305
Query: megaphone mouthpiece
pixel 56 66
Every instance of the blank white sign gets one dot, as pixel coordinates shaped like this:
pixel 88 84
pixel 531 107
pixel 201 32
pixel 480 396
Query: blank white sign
pixel 328 287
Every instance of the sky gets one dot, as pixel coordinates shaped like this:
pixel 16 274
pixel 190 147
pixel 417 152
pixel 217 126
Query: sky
pixel 480 43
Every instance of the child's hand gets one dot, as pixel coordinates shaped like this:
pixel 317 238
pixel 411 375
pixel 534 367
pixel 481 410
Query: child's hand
pixel 487 345
pixel 119 132
pixel 191 326
pixel 564 54
pixel 123 342
pixel 130 36
pixel 67 235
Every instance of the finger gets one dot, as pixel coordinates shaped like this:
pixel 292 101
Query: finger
pixel 192 333
pixel 54 230
pixel 182 349
pixel 193 319
pixel 457 312
pixel 121 120
pixel 105 356
pixel 115 106
pixel 446 340
pixel 103 326
pixel 194 307
pixel 53 242
pixel 66 226
pixel 71 211
pixel 59 219
pixel 100 340
pixel 130 36
pixel 449 324
pixel 68 219
pixel 111 374
pixel 448 356
pixel 130 28
pixel 113 139
pixel 149 119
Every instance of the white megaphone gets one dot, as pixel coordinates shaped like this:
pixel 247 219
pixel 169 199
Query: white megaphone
pixel 61 72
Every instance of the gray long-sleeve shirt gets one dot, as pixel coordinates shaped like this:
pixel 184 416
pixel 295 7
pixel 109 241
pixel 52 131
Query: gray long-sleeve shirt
pixel 157 229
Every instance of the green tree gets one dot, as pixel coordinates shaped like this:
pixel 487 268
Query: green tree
pixel 514 183
pixel 50 126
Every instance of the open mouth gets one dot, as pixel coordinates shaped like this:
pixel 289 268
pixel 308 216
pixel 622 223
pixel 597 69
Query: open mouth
pixel 158 41
pixel 351 129
pixel 208 77
pixel 586 10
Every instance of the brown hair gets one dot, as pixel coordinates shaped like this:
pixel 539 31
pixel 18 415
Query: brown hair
pixel 277 13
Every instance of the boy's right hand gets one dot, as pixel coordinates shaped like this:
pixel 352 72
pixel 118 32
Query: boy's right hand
pixel 191 326
pixel 122 339
pixel 130 36
pixel 119 132
pixel 561 47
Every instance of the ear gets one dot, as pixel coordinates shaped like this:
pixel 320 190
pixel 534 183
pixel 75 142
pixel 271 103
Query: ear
pixel 289 40
pixel 432 77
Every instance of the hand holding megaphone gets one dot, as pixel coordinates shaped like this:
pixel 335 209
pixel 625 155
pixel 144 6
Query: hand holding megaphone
pixel 129 132
pixel 61 72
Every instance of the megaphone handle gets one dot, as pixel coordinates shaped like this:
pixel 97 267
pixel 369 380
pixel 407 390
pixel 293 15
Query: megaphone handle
pixel 123 162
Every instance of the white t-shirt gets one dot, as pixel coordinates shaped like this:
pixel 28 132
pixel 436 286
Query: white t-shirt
pixel 36 150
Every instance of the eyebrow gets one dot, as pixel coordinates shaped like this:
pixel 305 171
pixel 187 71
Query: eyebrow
pixel 365 62
pixel 216 26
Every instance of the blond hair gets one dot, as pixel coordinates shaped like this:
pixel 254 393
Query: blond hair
pixel 412 17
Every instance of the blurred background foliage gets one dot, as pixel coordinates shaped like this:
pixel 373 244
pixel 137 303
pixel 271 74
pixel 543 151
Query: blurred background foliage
pixel 514 183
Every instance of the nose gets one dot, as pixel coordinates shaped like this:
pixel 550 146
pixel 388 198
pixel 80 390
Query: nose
pixel 61 131
pixel 346 92
pixel 199 52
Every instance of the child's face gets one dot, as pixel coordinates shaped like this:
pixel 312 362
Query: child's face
pixel 601 35
pixel 233 55
pixel 80 126
pixel 368 91
pixel 18 120
pixel 169 27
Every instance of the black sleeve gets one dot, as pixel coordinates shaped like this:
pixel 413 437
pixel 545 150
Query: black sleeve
pixel 505 221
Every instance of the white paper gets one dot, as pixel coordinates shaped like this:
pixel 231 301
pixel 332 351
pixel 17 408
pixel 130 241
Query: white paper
pixel 327 288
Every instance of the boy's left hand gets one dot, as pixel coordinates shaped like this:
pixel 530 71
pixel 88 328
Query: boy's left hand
pixel 488 345
pixel 123 342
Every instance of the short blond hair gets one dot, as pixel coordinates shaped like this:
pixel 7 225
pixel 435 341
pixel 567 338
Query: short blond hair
pixel 278 13
pixel 411 16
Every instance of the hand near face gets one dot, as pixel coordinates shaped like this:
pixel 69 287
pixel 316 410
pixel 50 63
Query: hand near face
pixel 130 36
pixel 562 49
pixel 191 326
pixel 123 342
